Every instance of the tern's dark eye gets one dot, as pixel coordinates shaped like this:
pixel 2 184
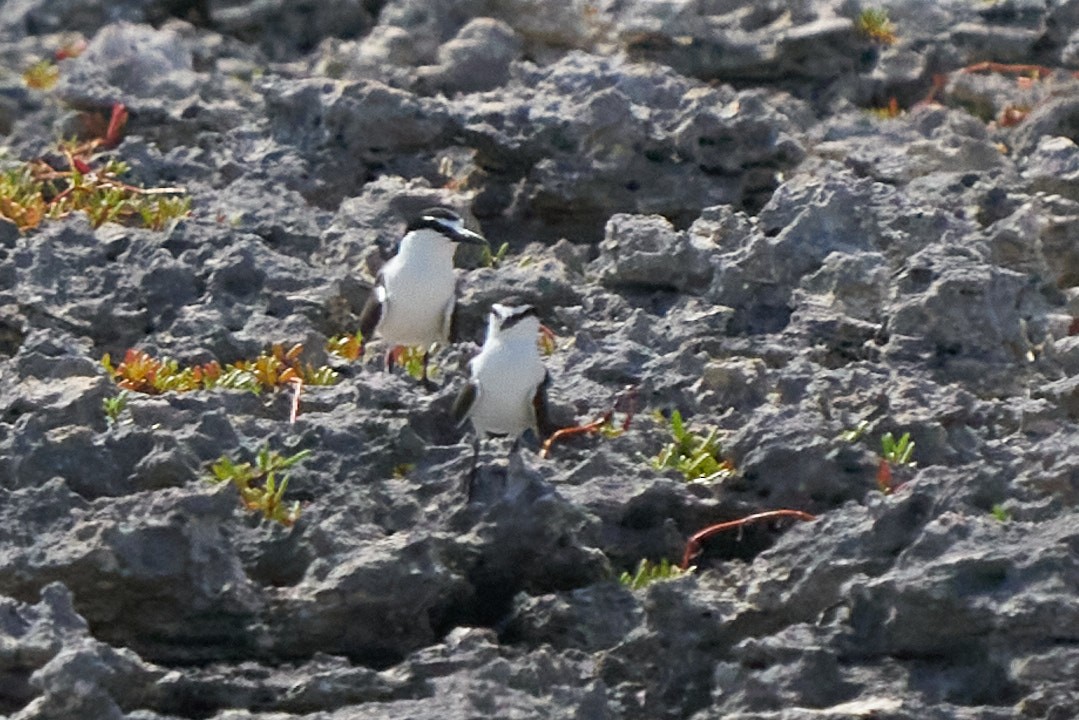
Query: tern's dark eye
pixel 516 315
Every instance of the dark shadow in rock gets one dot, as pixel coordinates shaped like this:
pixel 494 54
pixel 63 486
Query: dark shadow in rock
pixel 15 690
pixel 553 222
pixel 196 12
pixel 280 562
pixel 284 31
pixel 591 619
pixel 11 333
pixel 523 537
pixel 968 677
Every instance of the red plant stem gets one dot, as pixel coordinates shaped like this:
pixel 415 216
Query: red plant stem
pixel 629 403
pixel 116 125
pixel 565 432
pixel 884 477
pixel 1005 68
pixel 43 171
pixel 61 195
pixel 939 81
pixel 693 546
pixel 548 333
pixel 71 50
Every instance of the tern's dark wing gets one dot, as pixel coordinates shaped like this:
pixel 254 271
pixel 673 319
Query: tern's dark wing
pixel 455 323
pixel 372 310
pixel 544 426
pixel 449 320
pixel 462 406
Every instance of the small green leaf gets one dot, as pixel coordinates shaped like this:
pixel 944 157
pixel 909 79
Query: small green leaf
pixel 267 497
pixel 897 452
pixel 678 428
pixel 223 469
pixel 648 572
pixel 293 459
pixel 697 457
pixel 854 434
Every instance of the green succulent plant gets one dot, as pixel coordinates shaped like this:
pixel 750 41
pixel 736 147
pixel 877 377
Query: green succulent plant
pixel 259 488
pixel 697 457
pixel 897 452
pixel 648 572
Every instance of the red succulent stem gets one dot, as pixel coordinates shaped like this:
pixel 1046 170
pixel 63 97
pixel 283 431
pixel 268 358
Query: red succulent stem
pixel 116 125
pixel 693 546
pixel 566 432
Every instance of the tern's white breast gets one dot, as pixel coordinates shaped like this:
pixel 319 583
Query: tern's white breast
pixel 419 283
pixel 508 374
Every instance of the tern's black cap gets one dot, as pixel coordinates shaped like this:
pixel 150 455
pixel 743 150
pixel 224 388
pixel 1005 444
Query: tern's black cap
pixel 516 313
pixel 447 222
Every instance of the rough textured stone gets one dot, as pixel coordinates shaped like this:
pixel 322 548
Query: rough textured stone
pixel 716 207
pixel 649 253
pixel 128 61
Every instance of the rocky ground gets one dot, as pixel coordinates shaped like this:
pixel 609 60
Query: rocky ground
pixel 708 201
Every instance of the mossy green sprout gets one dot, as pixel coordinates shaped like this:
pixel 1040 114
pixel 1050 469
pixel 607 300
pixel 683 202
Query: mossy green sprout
pixel 275 368
pixel 875 24
pixel 548 341
pixel 893 452
pixel 22 200
pixel 37 191
pixel 41 75
pixel 649 572
pixel 1000 513
pixel 157 212
pixel 855 433
pixel 347 347
pixel 411 359
pixel 140 372
pixel 887 112
pixel 897 452
pixel 44 74
pixel 350 347
pixel 259 489
pixel 115 405
pixel 697 457
pixel 493 260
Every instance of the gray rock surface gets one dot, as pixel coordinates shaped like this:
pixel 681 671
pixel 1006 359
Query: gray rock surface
pixel 713 208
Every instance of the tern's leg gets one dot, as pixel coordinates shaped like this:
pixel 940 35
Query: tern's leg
pixel 471 481
pixel 389 359
pixel 427 383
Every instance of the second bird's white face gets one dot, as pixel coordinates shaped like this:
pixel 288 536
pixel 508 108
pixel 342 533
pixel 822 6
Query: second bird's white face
pixel 426 242
pixel 438 236
pixel 505 322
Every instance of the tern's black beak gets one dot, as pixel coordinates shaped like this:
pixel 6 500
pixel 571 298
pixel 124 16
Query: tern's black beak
pixel 447 222
pixel 464 235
